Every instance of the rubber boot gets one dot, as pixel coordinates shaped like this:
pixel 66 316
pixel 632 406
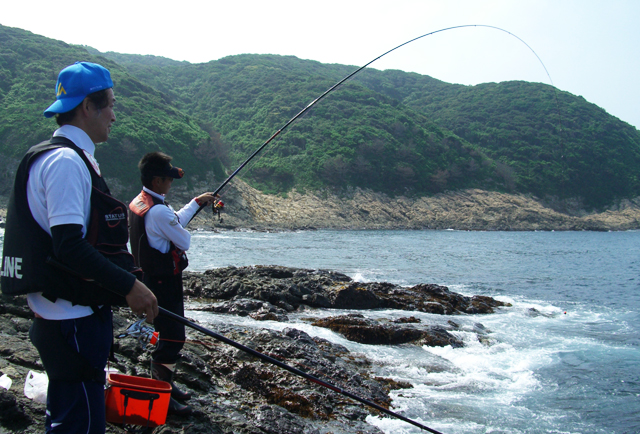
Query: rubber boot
pixel 167 371
pixel 164 373
pixel 178 409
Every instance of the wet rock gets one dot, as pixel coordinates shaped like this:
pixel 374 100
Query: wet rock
pixel 291 288
pixel 405 320
pixel 366 331
pixel 481 304
pixel 480 329
pixel 256 309
pixel 232 393
pixel 393 384
pixel 453 324
pixel 533 312
pixel 265 315
pixel 12 415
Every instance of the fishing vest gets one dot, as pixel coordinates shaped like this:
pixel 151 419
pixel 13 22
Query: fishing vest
pixel 152 261
pixel 28 248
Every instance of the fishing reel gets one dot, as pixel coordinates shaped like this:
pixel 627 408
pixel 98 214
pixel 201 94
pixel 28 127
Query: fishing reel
pixel 217 207
pixel 146 335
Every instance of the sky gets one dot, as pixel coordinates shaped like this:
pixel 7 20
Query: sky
pixel 589 48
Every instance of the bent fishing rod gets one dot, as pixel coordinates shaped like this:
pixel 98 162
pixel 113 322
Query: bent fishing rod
pixel 335 86
pixel 182 320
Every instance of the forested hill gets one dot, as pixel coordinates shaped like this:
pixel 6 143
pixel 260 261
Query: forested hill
pixel 552 140
pixel 538 139
pixel 389 131
pixel 145 119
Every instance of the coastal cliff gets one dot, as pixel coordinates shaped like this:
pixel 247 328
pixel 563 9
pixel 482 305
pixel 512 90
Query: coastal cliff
pixel 471 209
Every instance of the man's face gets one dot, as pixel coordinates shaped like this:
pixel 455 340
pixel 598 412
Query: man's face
pixel 101 119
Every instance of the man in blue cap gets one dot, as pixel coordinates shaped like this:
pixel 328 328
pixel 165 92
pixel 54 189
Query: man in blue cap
pixel 62 223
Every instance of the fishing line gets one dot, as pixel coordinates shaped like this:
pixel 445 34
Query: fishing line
pixel 332 88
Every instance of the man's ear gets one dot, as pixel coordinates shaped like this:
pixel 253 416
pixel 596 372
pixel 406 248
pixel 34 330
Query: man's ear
pixel 155 182
pixel 85 106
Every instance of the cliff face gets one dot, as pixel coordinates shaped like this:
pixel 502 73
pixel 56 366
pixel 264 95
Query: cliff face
pixel 471 209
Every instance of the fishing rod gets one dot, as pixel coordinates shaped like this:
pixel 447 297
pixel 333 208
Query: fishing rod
pixel 186 322
pixel 182 320
pixel 332 88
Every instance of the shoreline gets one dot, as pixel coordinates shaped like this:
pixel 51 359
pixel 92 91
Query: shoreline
pixel 354 209
pixel 469 210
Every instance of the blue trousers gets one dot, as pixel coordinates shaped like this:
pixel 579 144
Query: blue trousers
pixel 74 406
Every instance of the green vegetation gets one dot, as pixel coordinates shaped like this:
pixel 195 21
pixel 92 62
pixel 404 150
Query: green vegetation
pixel 389 131
pixel 553 142
pixel 29 66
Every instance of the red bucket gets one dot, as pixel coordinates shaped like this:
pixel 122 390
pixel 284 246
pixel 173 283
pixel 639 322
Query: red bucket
pixel 136 400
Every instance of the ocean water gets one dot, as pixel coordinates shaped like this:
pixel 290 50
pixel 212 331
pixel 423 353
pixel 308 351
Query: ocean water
pixel 564 359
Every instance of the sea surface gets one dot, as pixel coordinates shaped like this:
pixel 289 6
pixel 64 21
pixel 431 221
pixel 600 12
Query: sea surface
pixel 565 358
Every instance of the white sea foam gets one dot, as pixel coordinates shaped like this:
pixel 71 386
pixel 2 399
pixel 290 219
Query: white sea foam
pixel 534 369
pixel 358 277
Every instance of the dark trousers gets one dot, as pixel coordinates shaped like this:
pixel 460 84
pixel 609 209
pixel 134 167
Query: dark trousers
pixel 73 405
pixel 168 291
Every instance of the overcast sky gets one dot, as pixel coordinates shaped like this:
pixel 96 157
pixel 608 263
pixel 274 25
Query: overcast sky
pixel 589 47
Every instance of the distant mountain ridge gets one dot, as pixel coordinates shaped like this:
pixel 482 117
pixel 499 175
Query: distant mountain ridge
pixel 389 131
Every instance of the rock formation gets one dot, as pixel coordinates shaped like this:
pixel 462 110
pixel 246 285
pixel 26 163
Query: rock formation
pixel 233 391
pixel 470 209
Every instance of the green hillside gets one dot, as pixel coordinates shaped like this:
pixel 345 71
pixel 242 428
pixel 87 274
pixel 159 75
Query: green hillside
pixel 29 66
pixel 353 137
pixel 390 131
pixel 553 141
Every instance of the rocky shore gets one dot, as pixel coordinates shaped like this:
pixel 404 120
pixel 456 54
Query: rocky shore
pixel 234 392
pixel 472 209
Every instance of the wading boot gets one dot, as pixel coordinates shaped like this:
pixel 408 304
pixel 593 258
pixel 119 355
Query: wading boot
pixel 165 373
pixel 178 409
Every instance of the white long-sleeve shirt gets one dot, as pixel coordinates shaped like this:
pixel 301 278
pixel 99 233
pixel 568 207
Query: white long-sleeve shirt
pixel 164 225
pixel 59 193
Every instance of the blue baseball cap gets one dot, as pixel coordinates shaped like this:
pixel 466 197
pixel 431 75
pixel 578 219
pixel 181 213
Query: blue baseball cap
pixel 75 82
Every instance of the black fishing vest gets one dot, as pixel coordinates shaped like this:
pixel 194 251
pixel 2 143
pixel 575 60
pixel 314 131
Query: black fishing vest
pixel 152 261
pixel 27 246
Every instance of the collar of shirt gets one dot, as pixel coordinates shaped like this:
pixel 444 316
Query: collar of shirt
pixel 153 193
pixel 77 136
